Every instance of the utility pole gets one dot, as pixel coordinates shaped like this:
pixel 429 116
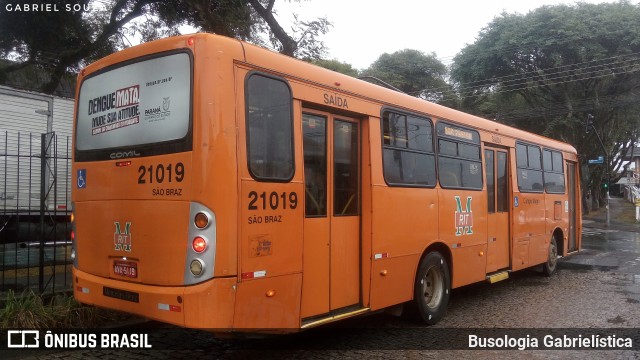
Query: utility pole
pixel 588 127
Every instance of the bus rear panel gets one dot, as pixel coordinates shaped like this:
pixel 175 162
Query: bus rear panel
pixel 145 221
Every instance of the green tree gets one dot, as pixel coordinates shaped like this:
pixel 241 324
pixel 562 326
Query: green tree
pixel 547 70
pixel 412 72
pixel 60 41
pixel 337 66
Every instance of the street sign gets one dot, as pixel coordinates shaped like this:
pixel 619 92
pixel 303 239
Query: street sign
pixel 599 160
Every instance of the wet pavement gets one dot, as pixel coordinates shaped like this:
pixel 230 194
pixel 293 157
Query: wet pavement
pixel 595 289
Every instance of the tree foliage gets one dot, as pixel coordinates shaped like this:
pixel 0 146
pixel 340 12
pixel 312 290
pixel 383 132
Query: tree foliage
pixel 250 20
pixel 337 66
pixel 61 41
pixel 413 72
pixel 546 70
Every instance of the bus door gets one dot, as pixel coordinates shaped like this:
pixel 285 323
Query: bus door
pixel 496 161
pixel 571 174
pixel 331 258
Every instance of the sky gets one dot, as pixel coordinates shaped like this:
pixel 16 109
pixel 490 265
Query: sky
pixel 365 29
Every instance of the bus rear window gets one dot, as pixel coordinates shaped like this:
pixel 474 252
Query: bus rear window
pixel 137 104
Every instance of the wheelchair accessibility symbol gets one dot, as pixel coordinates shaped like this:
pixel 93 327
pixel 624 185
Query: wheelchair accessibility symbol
pixel 82 178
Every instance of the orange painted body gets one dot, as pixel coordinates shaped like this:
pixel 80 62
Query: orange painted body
pixel 270 266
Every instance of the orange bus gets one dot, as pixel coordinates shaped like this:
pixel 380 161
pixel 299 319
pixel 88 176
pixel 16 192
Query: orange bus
pixel 220 185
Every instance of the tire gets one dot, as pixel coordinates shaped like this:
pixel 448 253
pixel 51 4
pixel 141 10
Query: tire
pixel 551 265
pixel 431 289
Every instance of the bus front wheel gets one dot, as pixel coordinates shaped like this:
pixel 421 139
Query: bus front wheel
pixel 432 288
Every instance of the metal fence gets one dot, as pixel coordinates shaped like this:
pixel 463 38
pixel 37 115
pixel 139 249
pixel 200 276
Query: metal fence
pixel 35 208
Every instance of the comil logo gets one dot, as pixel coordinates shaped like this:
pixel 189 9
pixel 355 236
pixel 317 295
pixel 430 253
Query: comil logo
pixel 20 339
pixel 122 237
pixel 463 219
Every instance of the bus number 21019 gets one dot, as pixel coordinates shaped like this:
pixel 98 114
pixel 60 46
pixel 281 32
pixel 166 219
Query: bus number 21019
pixel 273 200
pixel 160 173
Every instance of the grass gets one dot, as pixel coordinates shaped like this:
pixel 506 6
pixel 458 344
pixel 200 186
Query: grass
pixel 628 215
pixel 35 271
pixel 30 311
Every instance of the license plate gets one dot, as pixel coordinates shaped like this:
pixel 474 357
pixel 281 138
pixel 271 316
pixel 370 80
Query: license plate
pixel 125 268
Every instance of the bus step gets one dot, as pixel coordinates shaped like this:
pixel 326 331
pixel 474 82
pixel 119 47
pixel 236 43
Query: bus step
pixel 309 323
pixel 494 278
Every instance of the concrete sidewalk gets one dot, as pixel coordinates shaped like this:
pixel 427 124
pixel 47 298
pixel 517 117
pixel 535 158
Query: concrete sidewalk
pixel 622 216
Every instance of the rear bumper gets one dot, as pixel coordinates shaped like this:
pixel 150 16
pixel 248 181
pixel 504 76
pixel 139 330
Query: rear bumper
pixel 209 305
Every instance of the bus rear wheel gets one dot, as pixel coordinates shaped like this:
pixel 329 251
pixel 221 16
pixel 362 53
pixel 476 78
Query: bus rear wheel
pixel 432 288
pixel 552 261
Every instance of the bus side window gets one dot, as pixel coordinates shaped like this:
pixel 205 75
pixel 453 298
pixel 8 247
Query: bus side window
pixel 459 161
pixel 269 128
pixel 529 168
pixel 553 172
pixel 407 150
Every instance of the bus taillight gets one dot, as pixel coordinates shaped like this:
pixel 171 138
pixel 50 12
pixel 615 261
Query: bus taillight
pixel 201 220
pixel 199 244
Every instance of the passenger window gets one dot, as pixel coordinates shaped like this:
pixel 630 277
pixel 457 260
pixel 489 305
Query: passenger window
pixel 546 160
pixel 448 148
pixel 269 128
pixel 407 151
pixel 459 162
pixel 529 171
pixel 521 156
pixel 534 157
pixel 395 130
pixel 553 172
pixel 419 134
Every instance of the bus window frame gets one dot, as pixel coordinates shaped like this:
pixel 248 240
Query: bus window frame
pixel 383 146
pixel 183 144
pixel 437 138
pixel 247 127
